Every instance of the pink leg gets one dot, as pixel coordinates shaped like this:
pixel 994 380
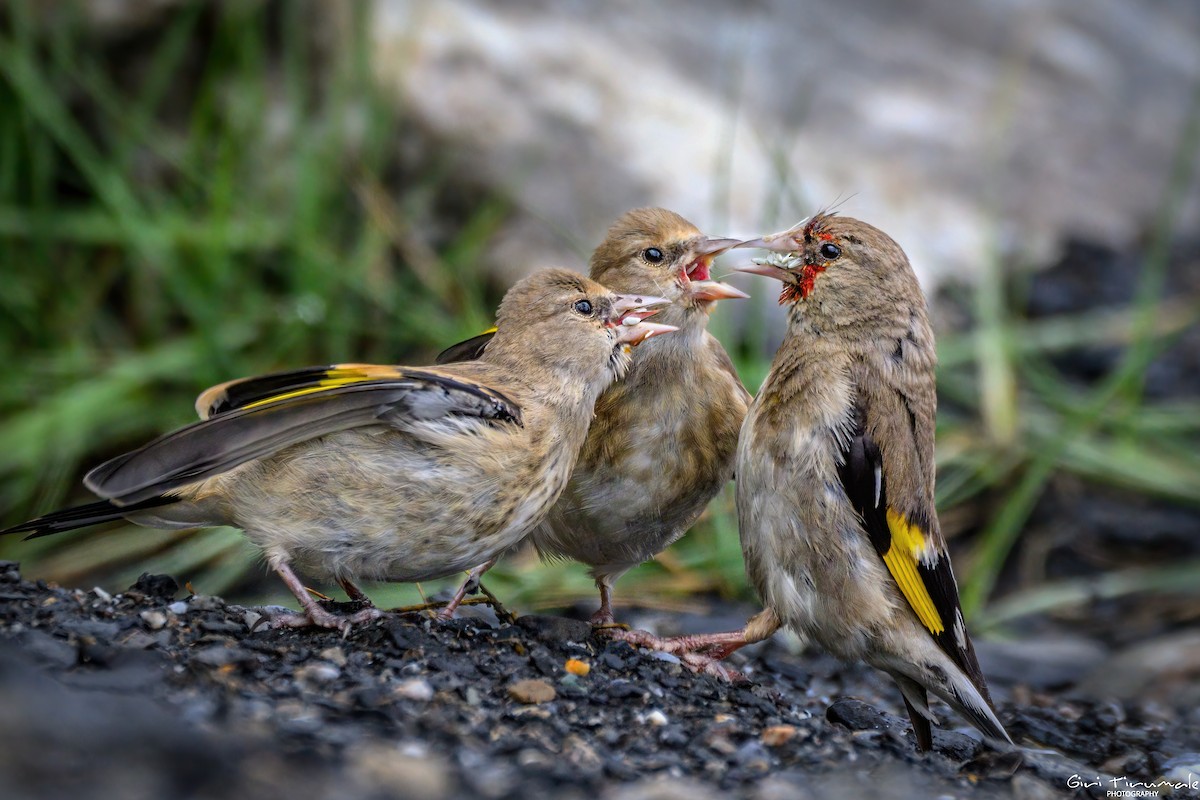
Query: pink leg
pixel 355 594
pixel 704 652
pixel 604 616
pixel 470 585
pixel 313 613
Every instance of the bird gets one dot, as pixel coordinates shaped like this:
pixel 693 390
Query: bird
pixel 358 471
pixel 663 439
pixel 835 476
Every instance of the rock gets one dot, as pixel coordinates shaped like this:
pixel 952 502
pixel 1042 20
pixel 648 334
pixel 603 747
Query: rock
pixel 388 771
pixel 414 689
pixel 778 735
pixel 856 715
pixel 155 620
pixel 219 655
pixel 318 673
pixel 178 607
pixel 656 718
pixel 531 691
pixel 160 587
pixel 562 97
pixel 10 572
pixel 577 667
pixel 555 630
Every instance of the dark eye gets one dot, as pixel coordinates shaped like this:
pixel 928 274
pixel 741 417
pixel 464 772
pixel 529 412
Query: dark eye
pixel 653 255
pixel 583 307
pixel 830 251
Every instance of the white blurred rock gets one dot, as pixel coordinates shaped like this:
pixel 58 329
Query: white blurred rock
pixel 962 129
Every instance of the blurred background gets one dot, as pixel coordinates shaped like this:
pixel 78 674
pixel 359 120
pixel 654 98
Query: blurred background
pixel 195 191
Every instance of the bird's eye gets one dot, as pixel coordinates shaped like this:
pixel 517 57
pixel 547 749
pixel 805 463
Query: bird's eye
pixel 653 255
pixel 830 251
pixel 584 307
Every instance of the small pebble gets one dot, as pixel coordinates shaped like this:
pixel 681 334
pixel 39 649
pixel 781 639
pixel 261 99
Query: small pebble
pixel 103 595
pixel 670 658
pixel 656 718
pixel 318 673
pixel 577 667
pixel 532 691
pixel 415 689
pixel 778 735
pixel 155 620
pixel 334 655
pixel 178 607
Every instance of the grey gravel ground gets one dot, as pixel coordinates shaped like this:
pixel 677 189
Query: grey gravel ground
pixel 143 695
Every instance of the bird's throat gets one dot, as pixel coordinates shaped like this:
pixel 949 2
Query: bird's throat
pixel 802 288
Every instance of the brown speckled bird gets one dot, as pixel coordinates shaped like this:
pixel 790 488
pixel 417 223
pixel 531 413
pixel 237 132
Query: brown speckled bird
pixel 836 473
pixel 663 440
pixel 382 472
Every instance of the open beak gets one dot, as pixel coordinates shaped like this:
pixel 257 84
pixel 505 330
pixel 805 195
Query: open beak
pixel 702 255
pixel 629 314
pixel 641 304
pixel 634 332
pixel 769 270
pixel 783 242
pixel 713 290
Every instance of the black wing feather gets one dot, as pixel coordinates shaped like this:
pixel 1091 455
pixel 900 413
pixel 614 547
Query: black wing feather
pixel 862 461
pixel 467 350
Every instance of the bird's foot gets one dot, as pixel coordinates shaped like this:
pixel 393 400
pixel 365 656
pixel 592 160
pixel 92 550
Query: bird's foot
pixel 700 653
pixel 604 620
pixel 316 616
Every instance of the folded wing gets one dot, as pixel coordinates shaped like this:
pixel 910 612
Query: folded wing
pixel 257 417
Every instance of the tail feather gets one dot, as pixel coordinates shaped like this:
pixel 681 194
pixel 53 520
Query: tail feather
pixel 976 707
pixel 81 516
pixel 916 701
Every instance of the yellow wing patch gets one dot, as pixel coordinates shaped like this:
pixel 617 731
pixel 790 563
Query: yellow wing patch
pixel 902 558
pixel 339 375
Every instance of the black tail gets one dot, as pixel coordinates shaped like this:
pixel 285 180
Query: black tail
pixel 81 516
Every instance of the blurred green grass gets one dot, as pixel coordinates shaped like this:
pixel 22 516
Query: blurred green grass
pixel 229 197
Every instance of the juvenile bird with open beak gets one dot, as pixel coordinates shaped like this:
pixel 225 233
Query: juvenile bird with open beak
pixel 663 439
pixel 835 476
pixel 382 472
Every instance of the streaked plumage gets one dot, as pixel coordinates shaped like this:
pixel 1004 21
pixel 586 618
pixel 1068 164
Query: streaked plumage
pixel 663 439
pixel 382 472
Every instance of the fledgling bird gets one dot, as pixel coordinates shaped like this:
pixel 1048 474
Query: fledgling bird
pixel 835 476
pixel 384 472
pixel 663 439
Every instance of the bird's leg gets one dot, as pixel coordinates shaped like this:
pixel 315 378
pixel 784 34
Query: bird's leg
pixel 704 652
pixel 313 613
pixel 603 619
pixel 469 586
pixel 355 594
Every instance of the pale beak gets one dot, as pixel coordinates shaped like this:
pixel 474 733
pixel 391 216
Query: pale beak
pixel 782 242
pixel 714 247
pixel 634 332
pixel 769 270
pixel 714 290
pixel 626 303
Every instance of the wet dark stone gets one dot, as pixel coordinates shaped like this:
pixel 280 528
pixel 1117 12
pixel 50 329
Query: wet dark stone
pixel 856 715
pixel 555 630
pixel 159 587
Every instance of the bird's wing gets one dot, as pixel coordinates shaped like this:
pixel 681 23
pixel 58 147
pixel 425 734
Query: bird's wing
pixel 466 350
pixel 257 417
pixel 910 547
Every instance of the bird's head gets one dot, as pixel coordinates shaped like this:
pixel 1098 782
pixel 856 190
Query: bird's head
pixel 833 261
pixel 562 320
pixel 657 251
